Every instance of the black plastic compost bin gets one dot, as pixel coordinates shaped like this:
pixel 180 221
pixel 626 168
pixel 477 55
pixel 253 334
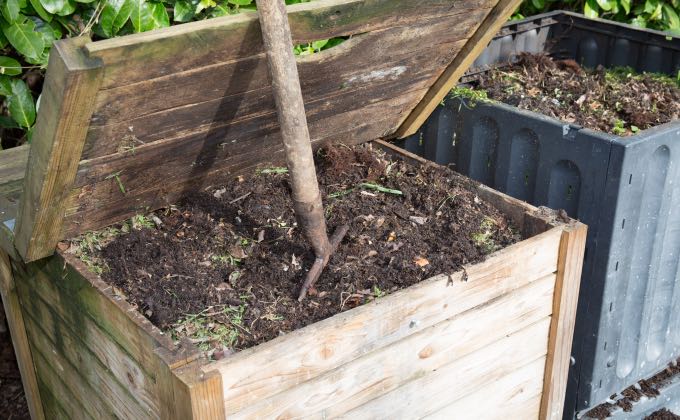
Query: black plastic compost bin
pixel 627 189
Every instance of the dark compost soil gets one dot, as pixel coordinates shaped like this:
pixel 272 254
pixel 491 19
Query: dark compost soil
pixel 649 388
pixel 12 402
pixel 616 101
pixel 223 267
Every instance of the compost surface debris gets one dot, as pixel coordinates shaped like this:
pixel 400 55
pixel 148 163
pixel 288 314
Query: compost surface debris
pixel 223 267
pixel 617 101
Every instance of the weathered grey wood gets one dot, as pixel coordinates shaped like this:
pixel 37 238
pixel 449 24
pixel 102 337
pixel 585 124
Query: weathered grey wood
pixel 154 54
pixel 58 138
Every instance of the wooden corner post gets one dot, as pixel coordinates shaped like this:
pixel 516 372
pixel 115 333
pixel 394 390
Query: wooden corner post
pixel 66 107
pixel 565 302
pixel 17 330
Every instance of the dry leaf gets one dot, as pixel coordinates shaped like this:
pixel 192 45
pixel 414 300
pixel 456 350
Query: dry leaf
pixel 392 237
pixel 421 261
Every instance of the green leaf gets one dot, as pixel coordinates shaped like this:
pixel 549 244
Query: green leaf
pixel 671 17
pixel 25 39
pixel 21 105
pixel 9 66
pixel 54 6
pixel 650 6
pixel 141 16
pixel 7 122
pixel 591 9
pixel 40 10
pixel 159 15
pixel 318 45
pixel 114 15
pixel 5 85
pixel 604 5
pixel 183 11
pixel 538 4
pixel 241 2
pixel 85 1
pixel 10 10
pixel 626 5
pixel 69 8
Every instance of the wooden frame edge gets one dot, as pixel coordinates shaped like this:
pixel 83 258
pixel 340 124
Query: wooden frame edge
pixel 198 395
pixel 20 342
pixel 565 302
pixel 473 47
pixel 59 137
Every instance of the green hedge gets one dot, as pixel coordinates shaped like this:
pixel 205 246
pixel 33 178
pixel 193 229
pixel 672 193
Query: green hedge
pixel 29 27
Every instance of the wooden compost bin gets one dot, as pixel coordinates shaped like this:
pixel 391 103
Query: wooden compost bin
pixel 134 124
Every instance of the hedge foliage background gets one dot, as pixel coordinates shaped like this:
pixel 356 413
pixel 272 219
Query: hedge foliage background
pixel 29 27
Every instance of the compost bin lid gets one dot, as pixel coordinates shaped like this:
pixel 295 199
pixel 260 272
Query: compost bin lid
pixel 131 124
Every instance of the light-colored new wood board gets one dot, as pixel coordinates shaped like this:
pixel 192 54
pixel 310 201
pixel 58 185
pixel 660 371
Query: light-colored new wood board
pixel 299 356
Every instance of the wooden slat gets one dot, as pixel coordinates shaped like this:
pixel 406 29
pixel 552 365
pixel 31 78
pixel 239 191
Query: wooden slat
pixel 12 170
pixel 150 186
pixel 103 389
pixel 51 404
pixel 154 54
pixel 474 47
pixel 59 135
pixel 462 377
pixel 282 363
pixel 370 66
pixel 419 355
pixel 72 393
pixel 17 328
pixel 515 396
pixel 100 318
pixel 572 248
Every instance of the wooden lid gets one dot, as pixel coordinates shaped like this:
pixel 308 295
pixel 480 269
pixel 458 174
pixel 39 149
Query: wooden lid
pixel 131 124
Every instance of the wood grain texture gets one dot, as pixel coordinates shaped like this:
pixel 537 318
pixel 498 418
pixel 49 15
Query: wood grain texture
pixel 474 47
pixel 153 54
pixel 514 396
pixel 58 138
pixel 13 170
pixel 419 355
pixel 461 378
pixel 17 329
pixel 198 394
pixel 570 263
pixel 281 364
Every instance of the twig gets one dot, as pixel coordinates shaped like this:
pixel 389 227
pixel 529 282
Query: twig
pixel 240 198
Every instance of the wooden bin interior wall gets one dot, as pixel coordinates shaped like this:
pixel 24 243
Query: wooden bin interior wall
pixel 131 124
pixel 490 340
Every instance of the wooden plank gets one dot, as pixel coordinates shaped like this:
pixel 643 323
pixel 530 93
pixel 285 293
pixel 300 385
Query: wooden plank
pixel 51 404
pixel 59 135
pixel 420 355
pixel 74 360
pixel 569 265
pixel 17 328
pixel 73 394
pixel 92 310
pixel 153 54
pixel 12 170
pixel 461 377
pixel 515 396
pixel 309 352
pixel 150 186
pixel 198 394
pixel 374 65
pixel 103 364
pixel 475 45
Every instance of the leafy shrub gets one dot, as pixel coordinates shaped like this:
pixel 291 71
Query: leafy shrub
pixel 663 15
pixel 28 28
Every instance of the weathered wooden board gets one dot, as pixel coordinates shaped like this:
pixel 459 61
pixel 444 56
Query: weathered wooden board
pixel 17 327
pixel 305 354
pixel 116 108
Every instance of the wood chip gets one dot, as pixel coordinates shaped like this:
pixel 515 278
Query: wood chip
pixel 418 220
pixel 421 261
